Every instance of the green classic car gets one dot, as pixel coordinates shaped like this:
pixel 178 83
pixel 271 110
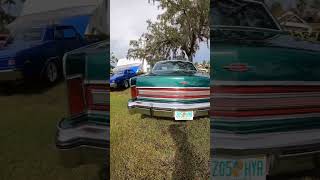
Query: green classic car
pixel 265 93
pixel 173 89
pixel 83 136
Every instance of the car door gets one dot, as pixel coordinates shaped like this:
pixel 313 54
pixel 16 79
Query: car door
pixel 71 38
pixel 130 73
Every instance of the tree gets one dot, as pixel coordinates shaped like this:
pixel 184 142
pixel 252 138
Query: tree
pixel 204 62
pixel 177 31
pixel 113 59
pixel 4 17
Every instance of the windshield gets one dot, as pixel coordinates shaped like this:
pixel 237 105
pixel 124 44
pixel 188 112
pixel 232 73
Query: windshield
pixel 33 34
pixel 174 66
pixel 118 72
pixel 241 13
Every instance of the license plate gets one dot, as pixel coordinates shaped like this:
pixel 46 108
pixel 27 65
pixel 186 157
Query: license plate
pixel 239 168
pixel 183 115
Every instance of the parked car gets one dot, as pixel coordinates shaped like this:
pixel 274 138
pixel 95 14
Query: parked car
pixel 83 136
pixel 173 89
pixel 3 39
pixel 36 53
pixel 121 76
pixel 265 93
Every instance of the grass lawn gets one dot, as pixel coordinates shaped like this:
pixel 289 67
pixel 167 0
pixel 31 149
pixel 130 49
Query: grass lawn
pixel 149 148
pixel 27 134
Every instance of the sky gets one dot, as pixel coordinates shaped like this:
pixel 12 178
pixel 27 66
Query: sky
pixel 128 21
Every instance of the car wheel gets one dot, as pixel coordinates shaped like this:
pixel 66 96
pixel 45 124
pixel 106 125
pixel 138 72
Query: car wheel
pixel 51 72
pixel 126 84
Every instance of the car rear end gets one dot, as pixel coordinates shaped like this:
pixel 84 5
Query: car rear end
pixel 264 93
pixel 8 70
pixel 181 95
pixel 265 103
pixel 83 136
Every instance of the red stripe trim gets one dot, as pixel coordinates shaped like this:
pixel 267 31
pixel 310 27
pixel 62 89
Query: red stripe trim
pixel 175 96
pixel 91 105
pixel 224 102
pixel 264 112
pixel 263 89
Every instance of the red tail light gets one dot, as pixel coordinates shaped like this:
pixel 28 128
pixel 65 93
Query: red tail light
pixel 75 96
pixel 134 92
pixel 98 97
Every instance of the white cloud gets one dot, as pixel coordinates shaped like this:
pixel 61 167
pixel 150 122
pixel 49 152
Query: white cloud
pixel 128 21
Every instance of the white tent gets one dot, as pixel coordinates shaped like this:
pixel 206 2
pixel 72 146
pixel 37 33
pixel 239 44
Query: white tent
pixel 124 62
pixel 37 12
pixel 100 21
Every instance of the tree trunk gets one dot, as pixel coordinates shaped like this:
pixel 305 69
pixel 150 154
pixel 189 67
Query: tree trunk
pixel 190 58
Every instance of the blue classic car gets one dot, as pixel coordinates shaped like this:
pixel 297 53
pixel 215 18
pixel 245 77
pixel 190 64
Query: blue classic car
pixel 36 53
pixel 121 76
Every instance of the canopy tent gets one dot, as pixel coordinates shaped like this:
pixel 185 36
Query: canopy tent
pixel 40 12
pixel 100 21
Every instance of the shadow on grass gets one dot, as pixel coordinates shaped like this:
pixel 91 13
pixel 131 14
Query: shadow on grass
pixel 26 88
pixel 186 160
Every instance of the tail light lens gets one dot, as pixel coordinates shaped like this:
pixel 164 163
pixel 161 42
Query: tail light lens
pixel 11 62
pixel 134 92
pixel 98 97
pixel 75 96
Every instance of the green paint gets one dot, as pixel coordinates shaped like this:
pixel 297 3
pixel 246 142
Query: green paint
pixel 173 81
pixel 92 62
pixel 265 63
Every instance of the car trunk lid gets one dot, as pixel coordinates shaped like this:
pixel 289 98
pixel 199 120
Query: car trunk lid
pixel 263 87
pixel 173 88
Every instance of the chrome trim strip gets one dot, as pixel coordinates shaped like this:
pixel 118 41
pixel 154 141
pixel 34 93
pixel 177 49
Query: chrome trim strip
pixel 91 131
pixel 169 105
pixel 265 118
pixel 263 95
pixel 74 76
pixel 173 87
pixel 93 112
pixel 264 140
pixel 106 82
pixel 7 70
pixel 174 99
pixel 299 154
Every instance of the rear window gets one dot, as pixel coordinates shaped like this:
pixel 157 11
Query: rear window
pixel 32 34
pixel 174 66
pixel 241 13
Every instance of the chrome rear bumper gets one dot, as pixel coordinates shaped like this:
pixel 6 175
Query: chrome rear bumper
pixel 286 153
pixel 10 75
pixel 113 85
pixel 85 143
pixel 167 109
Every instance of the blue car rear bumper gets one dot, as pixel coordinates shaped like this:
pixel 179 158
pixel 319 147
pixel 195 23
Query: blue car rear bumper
pixel 10 75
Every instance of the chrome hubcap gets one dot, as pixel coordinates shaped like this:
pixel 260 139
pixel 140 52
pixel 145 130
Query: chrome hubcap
pixel 52 72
